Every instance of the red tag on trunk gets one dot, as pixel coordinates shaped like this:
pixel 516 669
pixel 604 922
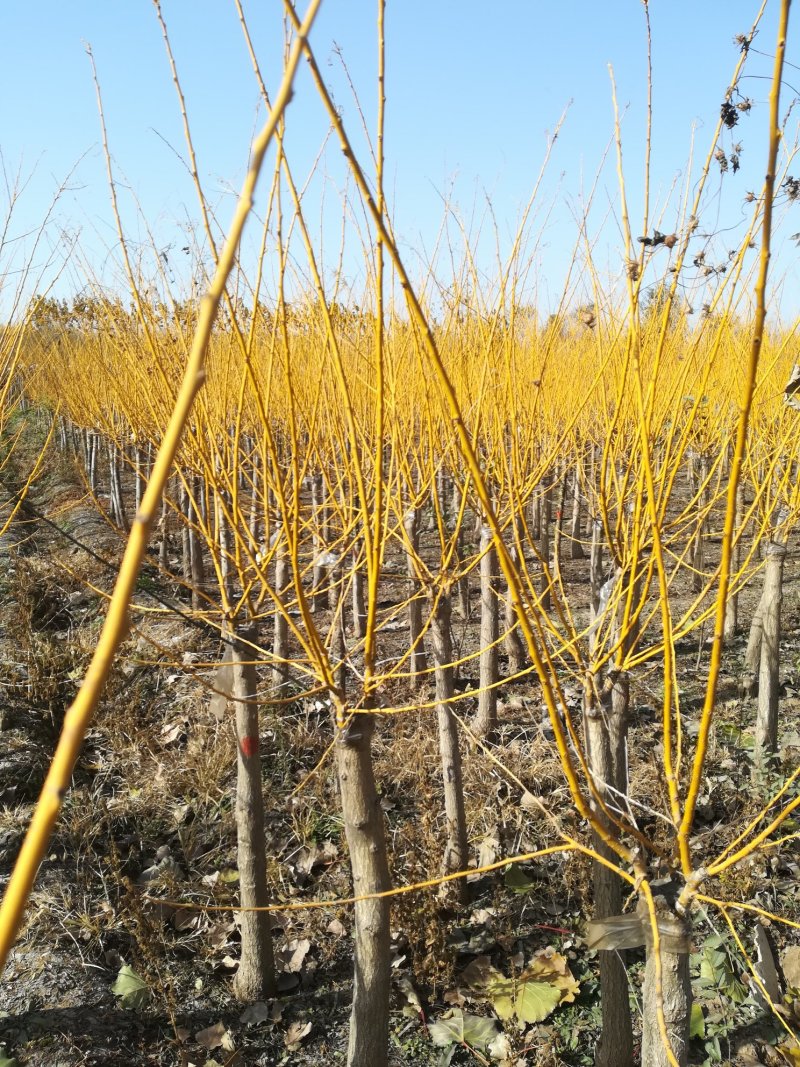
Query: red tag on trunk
pixel 249 746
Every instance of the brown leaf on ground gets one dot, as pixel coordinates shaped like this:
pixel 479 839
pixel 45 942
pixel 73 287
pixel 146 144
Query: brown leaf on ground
pixel 790 965
pixel 291 955
pixel 212 1037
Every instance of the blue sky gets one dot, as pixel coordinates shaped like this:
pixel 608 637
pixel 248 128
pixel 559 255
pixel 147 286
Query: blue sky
pixel 472 89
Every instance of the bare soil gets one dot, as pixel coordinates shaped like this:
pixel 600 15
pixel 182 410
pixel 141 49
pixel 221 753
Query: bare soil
pixel 149 819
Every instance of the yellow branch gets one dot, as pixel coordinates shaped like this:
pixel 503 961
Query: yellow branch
pixel 116 625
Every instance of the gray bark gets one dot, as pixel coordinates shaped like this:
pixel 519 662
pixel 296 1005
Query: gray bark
pixel 769 667
pixel 280 631
pixel 255 978
pixel 194 571
pixel 140 474
pixel 359 602
pixel 319 591
pixel 536 516
pixel 363 821
pixel 224 536
pixel 596 566
pixel 462 585
pixel 92 443
pixel 675 994
pixel 595 582
pixel 732 603
pixel 618 734
pixel 118 511
pixel 698 551
pixel 456 853
pixel 486 718
pixel 559 528
pixel 752 656
pixel 186 553
pixel 576 550
pixel 514 645
pixel 254 521
pixel 339 644
pixel 615 1047
pixel 545 518
pixel 163 548
pixel 419 660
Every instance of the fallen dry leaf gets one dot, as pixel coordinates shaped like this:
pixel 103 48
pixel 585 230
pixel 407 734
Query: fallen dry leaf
pixel 455 997
pixel 212 1037
pixel 292 954
pixel 500 1050
pixel 790 965
pixel 220 934
pixel 173 731
pixel 488 851
pixel 261 1012
pixel 295 1034
pixel 316 856
pixel 412 1005
pixel 183 919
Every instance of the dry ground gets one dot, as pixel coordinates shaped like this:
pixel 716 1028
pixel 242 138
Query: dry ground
pixel 150 815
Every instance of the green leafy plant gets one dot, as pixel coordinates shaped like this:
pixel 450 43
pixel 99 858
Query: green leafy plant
pixel 719 988
pixel 717 974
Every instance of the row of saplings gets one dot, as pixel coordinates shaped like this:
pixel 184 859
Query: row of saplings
pixel 666 1005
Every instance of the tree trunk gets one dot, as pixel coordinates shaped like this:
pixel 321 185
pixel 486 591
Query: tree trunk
pixel 698 551
pixel 514 645
pixel 92 441
pixel 536 516
pixel 194 571
pixel 752 656
pixel 118 512
pixel 486 718
pixel 675 994
pixel 462 585
pixel 732 604
pixel 545 518
pixel 338 645
pixel 596 566
pixel 225 538
pixel 140 476
pixel 255 979
pixel 254 520
pixel 456 852
pixel 186 548
pixel 576 550
pixel 768 677
pixel 319 591
pixel 615 1047
pixel 359 596
pixel 163 548
pixel 618 736
pixel 559 529
pixel 595 581
pixel 419 661
pixel 280 630
pixel 363 822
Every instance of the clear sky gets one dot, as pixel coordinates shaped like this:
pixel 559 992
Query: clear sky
pixel 473 89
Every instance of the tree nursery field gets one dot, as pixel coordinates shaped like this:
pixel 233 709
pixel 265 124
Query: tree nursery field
pixel 406 676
